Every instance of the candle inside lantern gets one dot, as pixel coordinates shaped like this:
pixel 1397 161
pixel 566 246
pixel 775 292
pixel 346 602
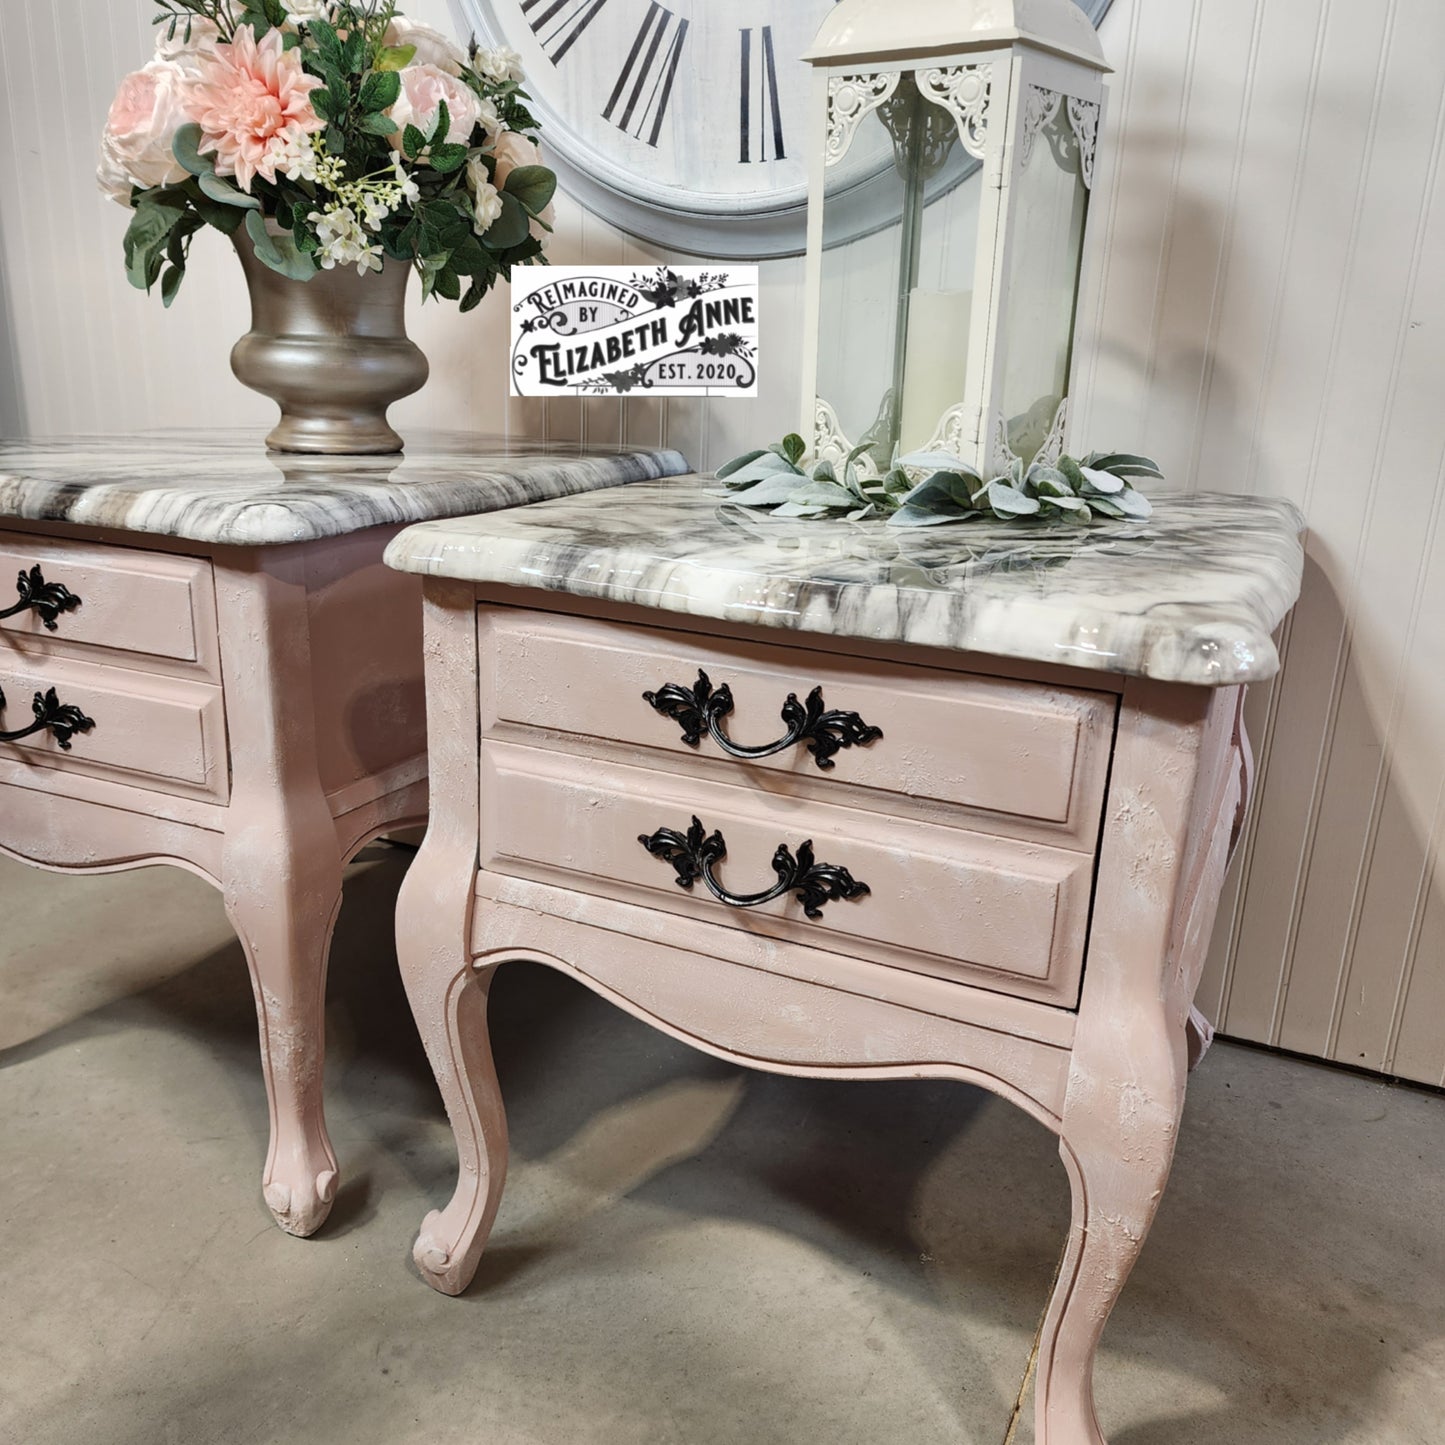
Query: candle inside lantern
pixel 936 364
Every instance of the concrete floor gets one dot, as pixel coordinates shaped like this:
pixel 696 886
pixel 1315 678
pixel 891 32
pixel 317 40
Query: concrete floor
pixel 686 1253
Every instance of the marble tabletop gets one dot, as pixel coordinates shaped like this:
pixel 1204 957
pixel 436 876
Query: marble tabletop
pixel 224 487
pixel 1191 596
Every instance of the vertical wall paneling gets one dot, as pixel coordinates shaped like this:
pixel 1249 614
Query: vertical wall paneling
pixel 1263 309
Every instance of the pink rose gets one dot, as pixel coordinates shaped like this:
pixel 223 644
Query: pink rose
pixel 135 147
pixel 432 47
pixel 423 89
pixel 513 149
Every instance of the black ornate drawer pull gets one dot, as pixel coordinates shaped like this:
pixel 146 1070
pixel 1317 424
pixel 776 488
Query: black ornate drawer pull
pixel 49 599
pixel 63 719
pixel 694 853
pixel 700 708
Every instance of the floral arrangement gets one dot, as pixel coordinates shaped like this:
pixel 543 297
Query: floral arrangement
pixel 338 133
pixel 925 489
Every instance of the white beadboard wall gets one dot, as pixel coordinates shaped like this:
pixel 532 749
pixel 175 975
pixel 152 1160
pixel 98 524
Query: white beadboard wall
pixel 1264 312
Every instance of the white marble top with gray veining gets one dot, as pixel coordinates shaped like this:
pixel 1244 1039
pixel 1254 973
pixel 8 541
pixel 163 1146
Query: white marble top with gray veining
pixel 1191 596
pixel 226 488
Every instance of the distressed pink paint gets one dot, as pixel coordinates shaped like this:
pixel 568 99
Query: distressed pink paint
pixel 549 764
pixel 258 719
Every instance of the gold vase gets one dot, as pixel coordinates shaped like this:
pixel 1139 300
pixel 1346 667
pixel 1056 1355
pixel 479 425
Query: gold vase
pixel 332 352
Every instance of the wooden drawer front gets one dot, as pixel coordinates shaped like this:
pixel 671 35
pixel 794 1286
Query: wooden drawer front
pixel 159 732
pixel 153 604
pixel 1008 915
pixel 1032 758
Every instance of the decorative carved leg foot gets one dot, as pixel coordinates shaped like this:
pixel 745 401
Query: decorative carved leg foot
pixel 285 927
pixel 449 1002
pixel 1198 1036
pixel 1118 1143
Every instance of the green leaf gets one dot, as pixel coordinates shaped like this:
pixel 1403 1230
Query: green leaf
pixel 326 38
pixel 1048 481
pixel 474 295
pixel 1125 464
pixel 327 105
pixel 225 219
pixel 280 253
pixel 534 186
pixel 413 142
pixel 1007 501
pixel 395 57
pixel 223 192
pixel 510 229
pixel 257 19
pixel 376 125
pixel 171 283
pixel 379 90
pixel 448 284
pixel 448 158
pixel 184 148
pixel 353 50
pixel 442 126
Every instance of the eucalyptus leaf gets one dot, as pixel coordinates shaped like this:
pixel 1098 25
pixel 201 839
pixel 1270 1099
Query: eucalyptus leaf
pixel 510 229
pixel 280 253
pixel 226 194
pixel 184 148
pixel 533 186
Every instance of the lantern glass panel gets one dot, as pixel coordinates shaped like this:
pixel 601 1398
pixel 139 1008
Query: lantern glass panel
pixel 900 240
pixel 1050 204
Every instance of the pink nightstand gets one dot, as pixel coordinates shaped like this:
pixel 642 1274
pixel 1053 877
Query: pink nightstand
pixel 984 841
pixel 225 677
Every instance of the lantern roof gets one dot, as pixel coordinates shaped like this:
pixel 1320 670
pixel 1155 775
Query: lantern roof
pixel 892 30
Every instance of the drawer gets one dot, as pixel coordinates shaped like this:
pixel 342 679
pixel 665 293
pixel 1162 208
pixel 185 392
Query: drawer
pixel 1017 759
pixel 163 733
pixel 146 604
pixel 999 913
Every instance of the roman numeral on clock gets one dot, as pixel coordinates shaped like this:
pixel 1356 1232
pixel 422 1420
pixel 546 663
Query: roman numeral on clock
pixel 763 66
pixel 650 71
pixel 559 24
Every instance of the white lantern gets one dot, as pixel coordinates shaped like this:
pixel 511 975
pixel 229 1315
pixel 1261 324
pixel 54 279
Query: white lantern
pixel 953 158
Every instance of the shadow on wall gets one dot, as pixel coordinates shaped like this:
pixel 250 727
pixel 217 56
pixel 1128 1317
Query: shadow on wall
pixel 12 396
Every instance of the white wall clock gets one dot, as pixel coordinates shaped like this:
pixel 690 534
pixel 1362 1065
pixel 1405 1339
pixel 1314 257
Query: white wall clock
pixel 680 121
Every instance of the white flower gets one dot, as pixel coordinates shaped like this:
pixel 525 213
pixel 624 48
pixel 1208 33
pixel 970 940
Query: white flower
pixel 499 66
pixel 407 188
pixel 487 199
pixel 488 119
pixel 343 241
pixel 303 10
pixel 432 47
pixel 194 41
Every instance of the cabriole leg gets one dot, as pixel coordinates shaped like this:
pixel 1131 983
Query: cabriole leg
pixel 285 918
pixel 450 1006
pixel 1117 1145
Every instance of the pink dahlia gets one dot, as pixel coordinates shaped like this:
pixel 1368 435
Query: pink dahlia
pixel 252 101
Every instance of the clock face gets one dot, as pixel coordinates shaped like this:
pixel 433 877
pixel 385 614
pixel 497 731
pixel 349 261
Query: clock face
pixel 684 122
